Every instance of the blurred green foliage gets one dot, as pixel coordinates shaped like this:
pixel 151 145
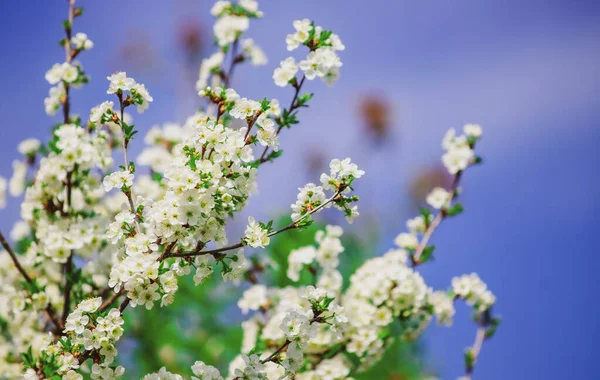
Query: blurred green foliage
pixel 203 323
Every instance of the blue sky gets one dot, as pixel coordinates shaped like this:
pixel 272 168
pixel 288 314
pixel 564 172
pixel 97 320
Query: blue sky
pixel 528 72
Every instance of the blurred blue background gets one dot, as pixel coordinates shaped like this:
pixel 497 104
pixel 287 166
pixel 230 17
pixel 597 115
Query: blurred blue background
pixel 528 72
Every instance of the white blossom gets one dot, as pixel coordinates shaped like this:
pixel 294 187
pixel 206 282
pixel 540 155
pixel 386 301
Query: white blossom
pixel 285 72
pixel 439 198
pixel 255 235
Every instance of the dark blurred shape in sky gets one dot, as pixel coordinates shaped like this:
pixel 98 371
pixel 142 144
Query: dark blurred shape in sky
pixel 527 72
pixel 376 115
pixel 191 39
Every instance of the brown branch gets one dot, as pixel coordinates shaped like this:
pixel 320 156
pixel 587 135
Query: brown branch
pixel 68 267
pixel 14 258
pixel 416 257
pixel 274 354
pixel 68 58
pixel 290 226
pixel 68 286
pixel 235 59
pixel 293 106
pixel 50 313
pixel 110 300
pixel 475 350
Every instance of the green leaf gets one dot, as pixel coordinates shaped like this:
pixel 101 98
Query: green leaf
pixel 456 209
pixel 491 331
pixel 157 177
pixel 303 99
pixel 427 253
pixel 426 213
pixel 469 360
pixel 265 105
pixel 28 359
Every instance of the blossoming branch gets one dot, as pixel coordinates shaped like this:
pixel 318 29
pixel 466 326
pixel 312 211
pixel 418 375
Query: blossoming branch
pixel 94 240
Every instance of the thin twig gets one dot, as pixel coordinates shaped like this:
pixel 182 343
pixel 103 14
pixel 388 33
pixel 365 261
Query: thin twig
pixel 49 310
pixel 110 300
pixel 68 267
pixel 234 61
pixel 126 159
pixel 240 245
pixel 14 258
pixel 416 258
pixel 274 354
pixel 293 106
pixel 68 58
pixel 480 337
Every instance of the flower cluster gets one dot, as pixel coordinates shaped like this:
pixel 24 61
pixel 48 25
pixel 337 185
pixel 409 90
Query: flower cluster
pixel 256 234
pixel 297 319
pixel 233 19
pixel 88 329
pixel 474 291
pixel 162 140
pixel 74 153
pixel 63 72
pixel 459 149
pixel 312 198
pixel 322 61
pixel 320 327
pixel 325 255
pixel 138 94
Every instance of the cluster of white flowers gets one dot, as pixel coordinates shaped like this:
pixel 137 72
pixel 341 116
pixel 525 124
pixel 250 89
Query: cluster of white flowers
pixel 325 254
pixel 322 61
pixel 298 319
pixel 285 72
pixel 62 212
pixel 383 290
pixel 256 235
pixel 459 149
pixel 65 72
pixel 29 147
pixel 162 374
pixel 205 372
pixel 474 291
pixel 160 142
pixel 87 328
pixel 339 181
pixel 253 52
pixel 74 153
pixel 81 41
pixel 121 83
pixel 55 98
pixel 209 66
pixel 305 320
pixel 121 179
pixel 233 19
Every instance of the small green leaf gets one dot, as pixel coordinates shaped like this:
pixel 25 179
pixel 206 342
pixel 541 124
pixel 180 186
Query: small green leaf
pixel 469 359
pixel 491 331
pixel 427 253
pixel 456 209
